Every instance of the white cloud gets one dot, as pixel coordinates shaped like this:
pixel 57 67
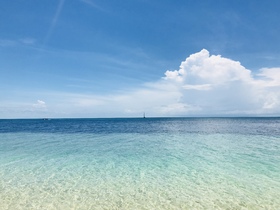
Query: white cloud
pixel 198 87
pixel 174 75
pixel 222 86
pixel 39 104
pixel 270 77
pixel 201 68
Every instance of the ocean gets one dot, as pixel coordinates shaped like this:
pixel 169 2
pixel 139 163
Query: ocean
pixel 151 163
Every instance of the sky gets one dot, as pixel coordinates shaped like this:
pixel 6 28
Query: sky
pixel 96 58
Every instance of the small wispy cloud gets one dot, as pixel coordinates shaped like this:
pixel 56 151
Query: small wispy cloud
pixel 23 109
pixel 28 41
pixel 54 21
pixel 16 42
pixel 40 104
pixel 92 4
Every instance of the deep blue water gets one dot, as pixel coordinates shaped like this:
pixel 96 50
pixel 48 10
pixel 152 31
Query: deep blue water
pixel 252 126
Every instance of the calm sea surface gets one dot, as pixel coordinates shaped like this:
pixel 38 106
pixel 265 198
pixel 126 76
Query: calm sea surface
pixel 152 163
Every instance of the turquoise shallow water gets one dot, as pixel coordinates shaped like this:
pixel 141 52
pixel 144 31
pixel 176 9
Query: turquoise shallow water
pixel 137 164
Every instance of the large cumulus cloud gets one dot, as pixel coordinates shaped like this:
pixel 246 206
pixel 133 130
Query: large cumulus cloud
pixel 221 86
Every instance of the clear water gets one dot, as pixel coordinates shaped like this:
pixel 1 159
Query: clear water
pixel 158 163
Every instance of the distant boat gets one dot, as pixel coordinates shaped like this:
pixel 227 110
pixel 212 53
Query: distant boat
pixel 144 116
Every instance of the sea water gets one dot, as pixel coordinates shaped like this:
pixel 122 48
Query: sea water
pixel 152 163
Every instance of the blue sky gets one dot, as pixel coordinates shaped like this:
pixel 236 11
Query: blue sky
pixel 93 58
